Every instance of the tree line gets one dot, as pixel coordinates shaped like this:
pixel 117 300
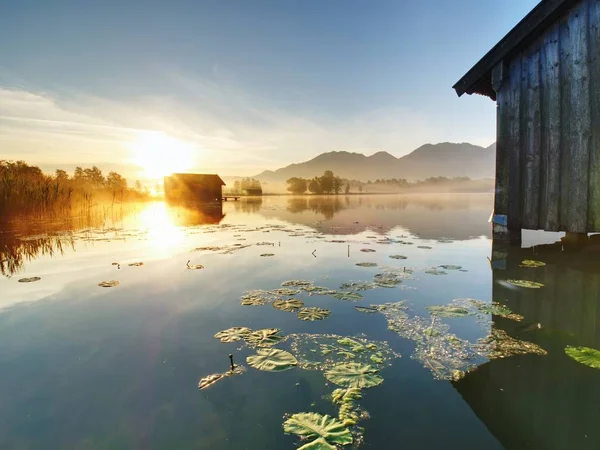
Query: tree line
pixel 328 183
pixel 25 188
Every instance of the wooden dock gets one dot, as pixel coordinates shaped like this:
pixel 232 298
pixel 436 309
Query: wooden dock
pixel 230 197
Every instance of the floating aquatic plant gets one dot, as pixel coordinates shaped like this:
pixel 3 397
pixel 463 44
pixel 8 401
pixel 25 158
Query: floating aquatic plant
pixel 288 305
pixel 498 344
pixel 398 257
pixel 450 267
pixel 349 413
pixel 449 311
pixel 366 309
pixel 194 266
pixel 265 337
pixel 340 396
pixel 367 250
pixel 265 255
pixel 29 280
pixel 495 309
pixel 233 334
pixel 313 313
pixel 347 296
pixel 323 432
pixel 272 360
pixel 111 283
pixel 285 292
pixel 584 355
pixel 296 283
pixel 136 264
pixel 354 375
pixel 366 264
pixel 257 298
pixel 209 380
pixel 358 285
pixel 531 263
pixel 425 247
pixel 435 271
pixel 526 284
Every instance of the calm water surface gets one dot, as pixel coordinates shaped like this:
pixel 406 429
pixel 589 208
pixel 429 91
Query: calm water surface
pixel 86 367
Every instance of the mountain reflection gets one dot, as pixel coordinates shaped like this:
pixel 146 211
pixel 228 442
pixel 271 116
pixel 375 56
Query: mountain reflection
pixel 545 402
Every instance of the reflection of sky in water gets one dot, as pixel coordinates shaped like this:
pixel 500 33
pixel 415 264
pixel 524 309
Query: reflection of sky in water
pixel 88 367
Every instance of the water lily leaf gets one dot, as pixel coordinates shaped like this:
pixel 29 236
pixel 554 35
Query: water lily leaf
pixel 195 266
pixel 358 285
pixel 136 264
pixel 340 396
pixel 313 313
pixel 264 255
pixel 426 247
pixel 347 296
pixel 366 309
pixel 322 431
pixel 584 355
pixel 209 380
pixel 29 280
pixel 257 298
pixel 366 264
pixel 435 271
pixel 288 305
pixel 354 375
pixel 398 257
pixel 367 250
pixel 266 337
pixel 531 263
pixel 376 359
pixel 296 283
pixel 496 309
pixel 450 267
pixel 525 284
pixel 448 311
pixel 111 283
pixel 498 344
pixel 272 360
pixel 286 292
pixel 233 334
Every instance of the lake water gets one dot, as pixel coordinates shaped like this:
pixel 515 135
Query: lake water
pixel 90 367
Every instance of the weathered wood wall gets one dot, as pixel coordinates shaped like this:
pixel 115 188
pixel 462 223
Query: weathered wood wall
pixel 548 143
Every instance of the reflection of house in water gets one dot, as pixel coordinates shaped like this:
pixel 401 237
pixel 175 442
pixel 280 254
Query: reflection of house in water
pixel 193 187
pixel 249 205
pixel 543 402
pixel 193 213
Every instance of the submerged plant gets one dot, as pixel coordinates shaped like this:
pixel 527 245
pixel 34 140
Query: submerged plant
pixel 29 280
pixel 584 355
pixel 288 305
pixel 272 360
pixel 322 432
pixel 266 337
pixel 354 375
pixel 233 334
pixel 526 284
pixel 111 283
pixel 313 313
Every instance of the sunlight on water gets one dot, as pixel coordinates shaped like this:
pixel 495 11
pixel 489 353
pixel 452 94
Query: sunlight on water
pixel 164 236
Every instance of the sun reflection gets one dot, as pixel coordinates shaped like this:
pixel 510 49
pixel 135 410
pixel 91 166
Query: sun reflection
pixel 162 232
pixel 159 154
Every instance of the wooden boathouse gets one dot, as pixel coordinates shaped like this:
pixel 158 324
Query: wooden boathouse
pixel 193 187
pixel 545 78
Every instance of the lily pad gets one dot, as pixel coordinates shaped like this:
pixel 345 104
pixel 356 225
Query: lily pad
pixel 526 284
pixel 450 267
pixel 313 313
pixel 111 283
pixel 449 311
pixel 531 263
pixel 398 257
pixel 288 305
pixel 366 309
pixel 266 337
pixel 296 283
pixel 209 380
pixel 355 375
pixel 195 266
pixel 367 250
pixel 265 255
pixel 340 396
pixel 426 247
pixel 233 334
pixel 498 344
pixel 347 296
pixel 272 360
pixel 29 280
pixel 136 264
pixel 366 264
pixel 584 355
pixel 285 292
pixel 323 431
pixel 435 271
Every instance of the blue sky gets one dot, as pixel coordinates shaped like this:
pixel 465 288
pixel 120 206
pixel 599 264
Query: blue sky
pixel 236 87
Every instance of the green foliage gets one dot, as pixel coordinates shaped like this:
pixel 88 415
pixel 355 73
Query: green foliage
pixel 354 375
pixel 266 337
pixel 323 431
pixel 313 313
pixel 233 334
pixel 272 360
pixel 448 311
pixel 297 185
pixel 347 296
pixel 288 305
pixel 584 355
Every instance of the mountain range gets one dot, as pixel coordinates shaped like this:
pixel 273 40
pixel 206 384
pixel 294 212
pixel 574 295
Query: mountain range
pixel 430 160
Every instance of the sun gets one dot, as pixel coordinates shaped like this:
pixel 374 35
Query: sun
pixel 159 154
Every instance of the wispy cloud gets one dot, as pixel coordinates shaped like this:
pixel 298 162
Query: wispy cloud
pixel 233 131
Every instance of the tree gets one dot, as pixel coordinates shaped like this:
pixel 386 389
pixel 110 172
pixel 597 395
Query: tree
pixel 237 187
pixel 326 182
pixel 337 185
pixel 315 186
pixel 61 176
pixel 94 177
pixel 347 189
pixel 138 186
pixel 360 188
pixel 115 182
pixel 78 175
pixel 297 185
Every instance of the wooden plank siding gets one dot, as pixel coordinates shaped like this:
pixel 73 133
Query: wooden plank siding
pixel 549 127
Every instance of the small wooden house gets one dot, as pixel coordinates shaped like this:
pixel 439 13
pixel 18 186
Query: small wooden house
pixel 193 187
pixel 545 78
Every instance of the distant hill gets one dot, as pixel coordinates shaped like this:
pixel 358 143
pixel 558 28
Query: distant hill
pixel 430 160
